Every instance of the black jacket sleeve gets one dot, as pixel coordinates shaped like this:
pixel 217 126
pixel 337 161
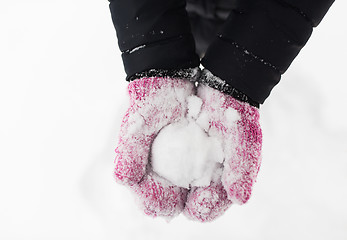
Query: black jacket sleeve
pixel 260 40
pixel 153 34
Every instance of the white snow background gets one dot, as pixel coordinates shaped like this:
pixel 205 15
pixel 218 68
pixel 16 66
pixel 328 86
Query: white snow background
pixel 62 96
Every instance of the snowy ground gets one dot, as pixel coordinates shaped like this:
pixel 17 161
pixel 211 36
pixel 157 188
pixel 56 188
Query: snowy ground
pixel 62 95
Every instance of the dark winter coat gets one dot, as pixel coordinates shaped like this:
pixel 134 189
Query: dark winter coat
pixel 250 43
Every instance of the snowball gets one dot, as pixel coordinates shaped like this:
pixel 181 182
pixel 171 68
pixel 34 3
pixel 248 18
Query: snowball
pixel 185 155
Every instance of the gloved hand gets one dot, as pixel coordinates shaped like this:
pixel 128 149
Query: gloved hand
pixel 157 102
pixel 154 103
pixel 236 125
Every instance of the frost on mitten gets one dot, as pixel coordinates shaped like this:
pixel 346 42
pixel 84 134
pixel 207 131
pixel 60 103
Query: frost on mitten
pixel 236 124
pixel 155 102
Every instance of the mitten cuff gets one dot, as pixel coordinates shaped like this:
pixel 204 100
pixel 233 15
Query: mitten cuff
pixel 190 74
pixel 208 79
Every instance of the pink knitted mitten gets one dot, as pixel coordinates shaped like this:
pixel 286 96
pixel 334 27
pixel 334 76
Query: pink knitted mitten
pixel 155 102
pixel 236 125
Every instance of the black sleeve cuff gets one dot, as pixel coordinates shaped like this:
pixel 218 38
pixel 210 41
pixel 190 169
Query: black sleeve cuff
pixel 189 74
pixel 208 79
pixel 239 69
